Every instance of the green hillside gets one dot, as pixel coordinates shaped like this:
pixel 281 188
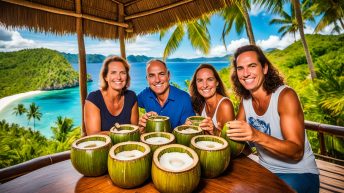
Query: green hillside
pixel 34 69
pixel 323 99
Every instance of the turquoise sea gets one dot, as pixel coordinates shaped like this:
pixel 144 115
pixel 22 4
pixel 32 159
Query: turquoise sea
pixel 66 102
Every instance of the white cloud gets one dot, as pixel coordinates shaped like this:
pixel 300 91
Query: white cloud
pixel 12 40
pixel 276 42
pixel 271 42
pixel 143 45
pixel 219 50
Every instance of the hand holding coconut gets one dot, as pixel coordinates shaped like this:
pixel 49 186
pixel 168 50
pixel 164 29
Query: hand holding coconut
pixel 207 125
pixel 241 131
pixel 143 120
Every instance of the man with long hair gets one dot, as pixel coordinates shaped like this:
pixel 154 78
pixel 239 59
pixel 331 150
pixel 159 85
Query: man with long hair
pixel 271 118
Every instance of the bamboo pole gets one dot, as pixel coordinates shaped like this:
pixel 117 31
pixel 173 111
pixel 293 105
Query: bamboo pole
pixel 145 13
pixel 82 64
pixel 65 12
pixel 121 30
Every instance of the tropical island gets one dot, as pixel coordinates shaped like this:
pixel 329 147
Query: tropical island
pixel 35 69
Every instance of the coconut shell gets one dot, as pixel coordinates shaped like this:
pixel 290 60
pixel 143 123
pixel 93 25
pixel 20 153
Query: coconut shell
pixel 196 120
pixel 129 173
pixel 175 182
pixel 158 124
pixel 214 161
pixel 117 137
pixel 185 138
pixel 153 147
pixel 236 147
pixel 91 162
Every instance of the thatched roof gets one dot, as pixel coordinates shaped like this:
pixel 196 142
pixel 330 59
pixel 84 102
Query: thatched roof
pixel 101 18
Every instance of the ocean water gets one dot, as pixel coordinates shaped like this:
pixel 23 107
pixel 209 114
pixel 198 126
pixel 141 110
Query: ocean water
pixel 66 102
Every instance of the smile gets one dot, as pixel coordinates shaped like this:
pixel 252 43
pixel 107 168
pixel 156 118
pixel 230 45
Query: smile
pixel 249 80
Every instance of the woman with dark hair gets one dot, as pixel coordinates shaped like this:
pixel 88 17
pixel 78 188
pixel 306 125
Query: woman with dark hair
pixel 271 118
pixel 113 102
pixel 209 99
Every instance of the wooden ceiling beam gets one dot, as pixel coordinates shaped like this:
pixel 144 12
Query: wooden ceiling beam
pixel 145 13
pixel 119 3
pixel 131 2
pixel 64 12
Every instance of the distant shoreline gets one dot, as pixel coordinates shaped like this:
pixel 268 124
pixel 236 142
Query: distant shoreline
pixel 9 99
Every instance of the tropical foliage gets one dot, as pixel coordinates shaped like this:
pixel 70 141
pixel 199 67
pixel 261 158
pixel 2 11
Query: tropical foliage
pixel 19 144
pixel 288 21
pixel 237 15
pixel 33 113
pixel 197 32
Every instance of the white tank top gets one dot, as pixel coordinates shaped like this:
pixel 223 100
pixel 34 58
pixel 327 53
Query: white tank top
pixel 214 119
pixel 269 123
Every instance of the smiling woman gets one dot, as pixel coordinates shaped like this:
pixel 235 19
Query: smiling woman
pixel 113 103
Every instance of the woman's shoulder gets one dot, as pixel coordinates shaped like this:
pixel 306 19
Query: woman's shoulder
pixel 225 104
pixel 94 94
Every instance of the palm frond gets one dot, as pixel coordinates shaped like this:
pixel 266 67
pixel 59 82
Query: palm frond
pixel 174 41
pixel 199 36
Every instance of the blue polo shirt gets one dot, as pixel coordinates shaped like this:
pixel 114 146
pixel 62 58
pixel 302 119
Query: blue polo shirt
pixel 177 106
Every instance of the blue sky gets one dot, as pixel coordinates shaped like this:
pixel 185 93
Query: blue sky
pixel 266 37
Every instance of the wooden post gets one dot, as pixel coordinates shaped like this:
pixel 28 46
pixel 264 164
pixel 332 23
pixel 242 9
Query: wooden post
pixel 121 30
pixel 322 143
pixel 82 64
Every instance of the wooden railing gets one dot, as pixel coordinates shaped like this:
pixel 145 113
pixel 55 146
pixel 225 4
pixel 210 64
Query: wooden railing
pixel 323 129
pixel 9 173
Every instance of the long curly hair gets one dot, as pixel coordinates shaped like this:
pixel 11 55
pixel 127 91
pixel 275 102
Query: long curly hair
pixel 105 69
pixel 272 79
pixel 197 99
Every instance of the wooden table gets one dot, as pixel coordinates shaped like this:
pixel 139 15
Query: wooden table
pixel 242 175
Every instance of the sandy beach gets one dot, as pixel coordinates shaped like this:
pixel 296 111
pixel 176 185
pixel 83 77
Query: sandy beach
pixel 9 99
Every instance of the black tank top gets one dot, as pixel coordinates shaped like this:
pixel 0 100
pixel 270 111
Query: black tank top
pixel 107 119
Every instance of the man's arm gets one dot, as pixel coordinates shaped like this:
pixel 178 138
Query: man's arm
pixel 292 127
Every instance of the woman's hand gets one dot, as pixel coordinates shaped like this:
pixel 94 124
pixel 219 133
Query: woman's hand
pixel 207 125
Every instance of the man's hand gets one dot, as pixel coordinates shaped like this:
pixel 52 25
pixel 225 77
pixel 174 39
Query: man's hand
pixel 143 120
pixel 241 131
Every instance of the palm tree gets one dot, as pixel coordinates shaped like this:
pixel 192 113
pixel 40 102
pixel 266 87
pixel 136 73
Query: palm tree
pixel 289 23
pixel 33 113
pixel 62 127
pixel 276 6
pixel 331 12
pixel 197 32
pixel 19 109
pixel 237 14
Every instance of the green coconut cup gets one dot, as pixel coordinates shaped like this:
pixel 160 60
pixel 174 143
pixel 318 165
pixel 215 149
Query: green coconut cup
pixel 158 124
pixel 118 137
pixel 236 147
pixel 185 138
pixel 154 146
pixel 91 160
pixel 214 161
pixel 171 181
pixel 196 120
pixel 133 172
